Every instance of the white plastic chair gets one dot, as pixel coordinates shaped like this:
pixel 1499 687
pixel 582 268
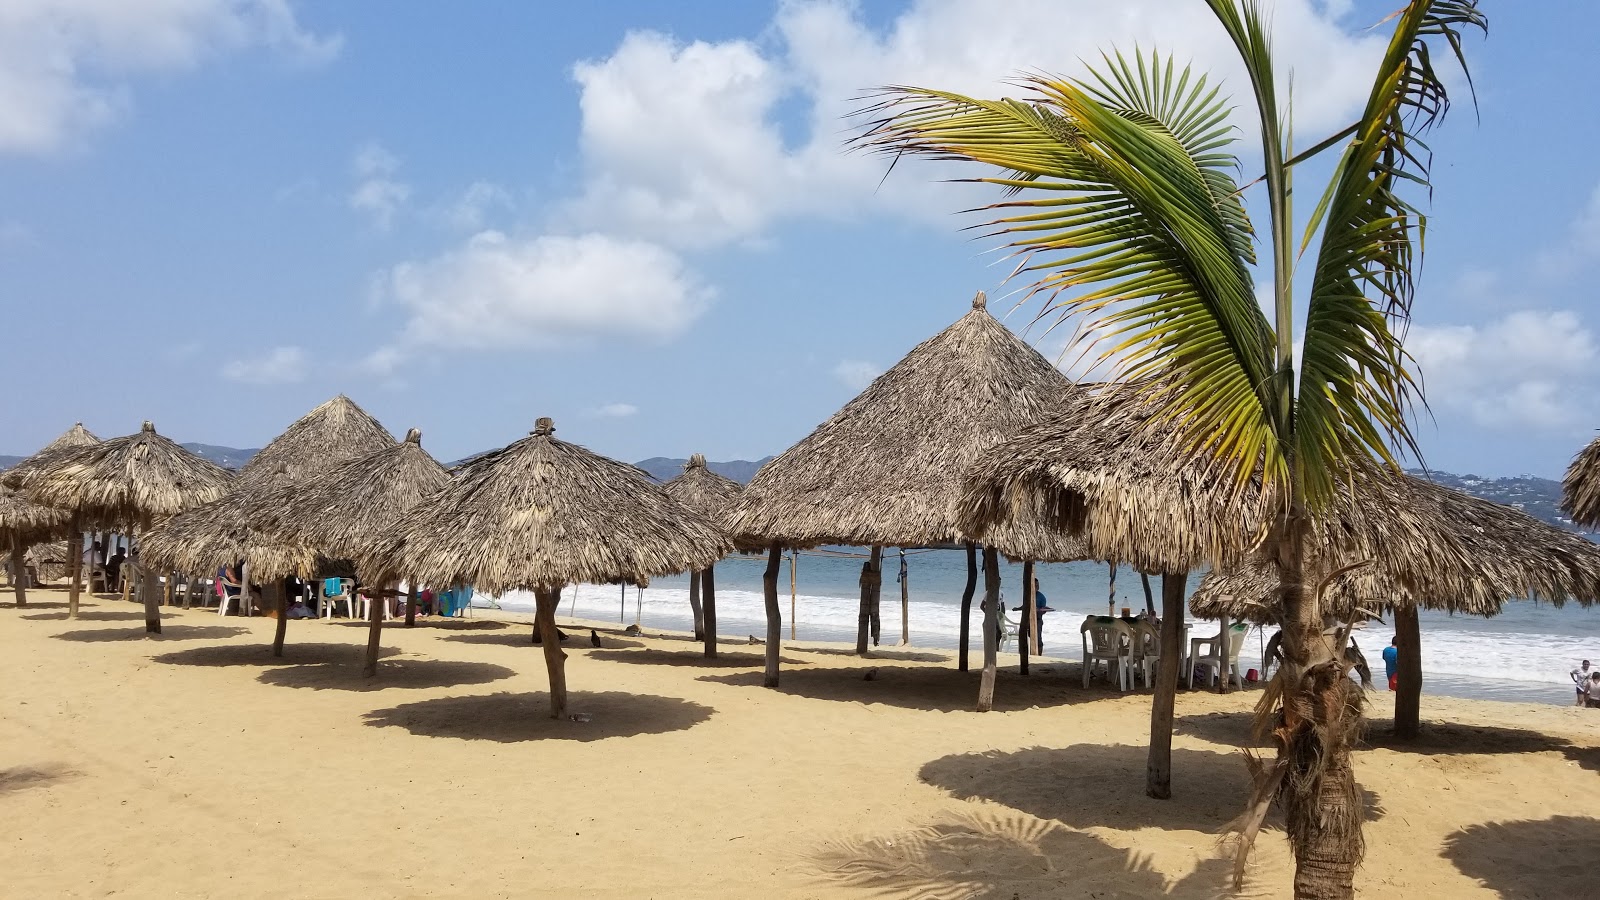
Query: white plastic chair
pixel 1107 639
pixel 1206 653
pixel 388 611
pixel 336 591
pixel 1146 649
pixel 1008 628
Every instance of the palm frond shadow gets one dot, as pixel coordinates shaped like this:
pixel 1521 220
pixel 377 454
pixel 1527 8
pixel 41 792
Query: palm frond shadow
pixel 1233 728
pixel 90 615
pixel 514 718
pixel 1001 856
pixel 689 658
pixel 1554 857
pixel 922 687
pixel 523 637
pixel 261 655
pixel 404 673
pixel 168 633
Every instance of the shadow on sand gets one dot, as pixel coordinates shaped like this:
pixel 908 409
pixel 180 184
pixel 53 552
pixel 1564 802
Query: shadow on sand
pixel 523 637
pixel 924 687
pixel 1554 857
pixel 33 604
pixel 1089 785
pixel 512 718
pixel 1002 856
pixel 403 673
pixel 690 658
pixel 24 778
pixel 885 653
pixel 261 655
pixel 1437 737
pixel 168 633
pixel 92 615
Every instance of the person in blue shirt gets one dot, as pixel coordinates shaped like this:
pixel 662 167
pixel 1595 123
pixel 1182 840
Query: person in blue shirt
pixel 1391 662
pixel 1040 607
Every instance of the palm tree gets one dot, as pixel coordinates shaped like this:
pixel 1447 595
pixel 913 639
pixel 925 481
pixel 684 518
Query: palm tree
pixel 1121 207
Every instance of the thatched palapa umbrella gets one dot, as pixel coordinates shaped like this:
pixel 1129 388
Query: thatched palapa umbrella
pixel 334 432
pixel 886 468
pixel 72 438
pixel 344 511
pixel 22 524
pixel 711 495
pixel 540 514
pixel 1416 545
pixel 1580 489
pixel 136 479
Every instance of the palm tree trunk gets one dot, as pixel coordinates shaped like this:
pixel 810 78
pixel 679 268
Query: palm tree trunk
pixel 708 621
pixel 369 663
pixel 1408 693
pixel 555 659
pixel 280 603
pixel 1327 838
pixel 19 572
pixel 74 564
pixel 152 585
pixel 694 607
pixel 1158 767
pixel 1025 627
pixel 966 605
pixel 769 591
pixel 991 626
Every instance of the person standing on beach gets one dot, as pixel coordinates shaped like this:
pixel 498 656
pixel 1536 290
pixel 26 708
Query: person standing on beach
pixel 1040 607
pixel 1391 662
pixel 1580 679
pixel 1594 691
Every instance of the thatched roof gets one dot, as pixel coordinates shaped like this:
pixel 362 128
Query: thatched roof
pixel 25 522
pixel 1430 546
pixel 71 439
pixel 707 493
pixel 228 530
pixel 1099 467
pixel 542 513
pixel 333 433
pixel 886 468
pixel 125 479
pixel 345 510
pixel 1580 489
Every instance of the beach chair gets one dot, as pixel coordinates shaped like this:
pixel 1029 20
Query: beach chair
pixel 1146 649
pixel 388 612
pixel 1206 653
pixel 336 591
pixel 1008 628
pixel 455 602
pixel 229 593
pixel 1107 639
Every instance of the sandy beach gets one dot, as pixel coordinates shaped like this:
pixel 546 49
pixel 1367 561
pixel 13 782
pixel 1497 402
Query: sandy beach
pixel 194 764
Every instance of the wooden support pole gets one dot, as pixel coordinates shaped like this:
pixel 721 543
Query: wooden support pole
pixel 152 585
pixel 375 605
pixel 74 564
pixel 905 603
pixel 966 606
pixel 413 595
pixel 871 577
pixel 991 627
pixel 1025 627
pixel 1408 674
pixel 769 590
pixel 708 601
pixel 695 610
pixel 555 658
pixel 1222 655
pixel 19 571
pixel 794 589
pixel 279 598
pixel 1158 767
pixel 1149 601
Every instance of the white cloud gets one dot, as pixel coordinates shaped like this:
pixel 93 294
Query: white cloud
pixel 1530 369
pixel 855 374
pixel 472 210
pixel 1580 248
pixel 615 411
pixel 683 143
pixel 66 67
pixel 281 365
pixel 548 291
pixel 378 193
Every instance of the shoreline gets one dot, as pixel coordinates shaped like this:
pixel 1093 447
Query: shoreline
pixel 443 777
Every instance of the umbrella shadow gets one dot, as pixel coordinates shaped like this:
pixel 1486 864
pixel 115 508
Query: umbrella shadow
pixel 524 638
pixel 1089 785
pixel 1554 857
pixel 882 653
pixel 515 718
pixel 167 633
pixel 690 658
pixel 126 615
pixel 1003 856
pixel 22 778
pixel 404 673
pixel 1585 757
pixel 1233 728
pixel 450 623
pixel 922 687
pixel 261 655
pixel 34 604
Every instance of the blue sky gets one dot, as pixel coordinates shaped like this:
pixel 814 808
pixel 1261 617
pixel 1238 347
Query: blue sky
pixel 639 220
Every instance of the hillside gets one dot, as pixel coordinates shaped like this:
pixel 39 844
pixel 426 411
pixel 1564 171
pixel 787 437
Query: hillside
pixel 663 468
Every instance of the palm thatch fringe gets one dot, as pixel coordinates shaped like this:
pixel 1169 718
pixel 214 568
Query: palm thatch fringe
pixel 71 439
pixel 886 468
pixel 542 513
pixel 22 518
pixel 334 432
pixel 125 480
pixel 228 530
pixel 707 493
pixel 1580 489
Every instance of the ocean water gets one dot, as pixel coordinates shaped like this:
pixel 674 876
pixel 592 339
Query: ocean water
pixel 1523 654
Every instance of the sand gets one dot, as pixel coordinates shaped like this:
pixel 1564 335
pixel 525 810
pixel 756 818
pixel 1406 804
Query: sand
pixel 196 765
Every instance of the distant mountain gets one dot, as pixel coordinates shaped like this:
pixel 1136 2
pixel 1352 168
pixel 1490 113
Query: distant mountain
pixel 1538 497
pixel 7 462
pixel 227 457
pixel 663 468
